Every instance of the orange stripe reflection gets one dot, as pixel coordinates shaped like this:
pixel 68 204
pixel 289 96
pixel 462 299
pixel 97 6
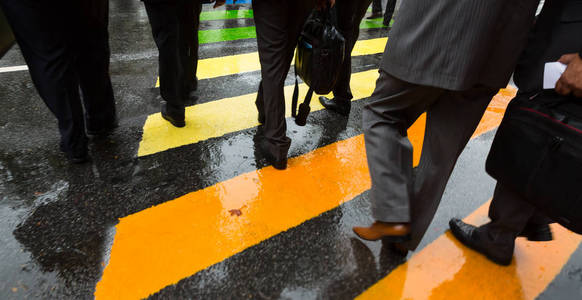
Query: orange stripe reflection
pixel 446 269
pixel 161 245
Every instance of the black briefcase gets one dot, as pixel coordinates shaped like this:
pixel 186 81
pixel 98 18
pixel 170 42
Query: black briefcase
pixel 318 60
pixel 537 152
pixel 6 36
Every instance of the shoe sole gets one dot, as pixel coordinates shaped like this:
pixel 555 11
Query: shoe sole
pixel 176 124
pixel 388 238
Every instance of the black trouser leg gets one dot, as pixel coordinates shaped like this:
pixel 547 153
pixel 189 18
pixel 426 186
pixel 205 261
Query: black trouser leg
pixel 167 34
pixel 42 31
pixel 350 13
pixel 92 45
pixel 510 213
pixel 191 25
pixel 278 24
pixel 390 7
pixel 377 7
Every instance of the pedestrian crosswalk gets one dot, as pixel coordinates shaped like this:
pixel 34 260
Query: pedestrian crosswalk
pixel 161 245
pixel 166 243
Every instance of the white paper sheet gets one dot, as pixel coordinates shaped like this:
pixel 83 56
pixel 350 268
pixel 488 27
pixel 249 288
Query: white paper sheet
pixel 552 73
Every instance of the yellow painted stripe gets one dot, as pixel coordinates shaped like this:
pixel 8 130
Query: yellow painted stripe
pixel 217 118
pixel 446 269
pixel 161 245
pixel 230 65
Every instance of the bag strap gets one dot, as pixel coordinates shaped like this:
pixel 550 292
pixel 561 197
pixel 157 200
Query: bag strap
pixel 308 97
pixel 295 96
pixel 306 101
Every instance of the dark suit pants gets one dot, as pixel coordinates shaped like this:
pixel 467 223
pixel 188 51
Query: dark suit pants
pixel 377 6
pixel 175 31
pixel 509 214
pixel 350 13
pixel 278 24
pixel 452 116
pixel 390 7
pixel 65 45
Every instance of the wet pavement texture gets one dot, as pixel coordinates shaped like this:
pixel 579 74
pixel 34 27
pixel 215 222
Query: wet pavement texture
pixel 58 221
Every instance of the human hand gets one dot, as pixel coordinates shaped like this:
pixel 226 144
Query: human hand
pixel 321 4
pixel 571 80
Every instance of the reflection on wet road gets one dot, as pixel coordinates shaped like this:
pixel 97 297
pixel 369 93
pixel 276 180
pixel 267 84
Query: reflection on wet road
pixel 186 235
pixel 198 212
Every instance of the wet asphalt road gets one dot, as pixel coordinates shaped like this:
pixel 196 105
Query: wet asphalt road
pixel 57 221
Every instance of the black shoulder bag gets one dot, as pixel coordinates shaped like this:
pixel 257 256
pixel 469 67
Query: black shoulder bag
pixel 537 152
pixel 318 60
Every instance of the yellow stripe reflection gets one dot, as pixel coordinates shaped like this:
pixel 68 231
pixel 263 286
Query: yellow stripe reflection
pixel 161 245
pixel 446 269
pixel 217 118
pixel 229 65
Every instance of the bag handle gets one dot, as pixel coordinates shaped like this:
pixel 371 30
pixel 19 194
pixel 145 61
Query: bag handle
pixel 295 96
pixel 304 109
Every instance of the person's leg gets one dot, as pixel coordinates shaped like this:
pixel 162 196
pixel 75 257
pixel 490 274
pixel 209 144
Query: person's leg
pixel 190 22
pixel 278 24
pixel 195 44
pixel 451 121
pixel 496 240
pixel 376 9
pixel 392 109
pixel 390 7
pixel 90 39
pixel 166 32
pixel 41 31
pixel 350 14
pixel 506 211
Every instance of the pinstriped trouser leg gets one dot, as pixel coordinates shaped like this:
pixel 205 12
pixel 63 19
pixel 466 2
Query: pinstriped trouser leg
pixel 397 195
pixel 393 107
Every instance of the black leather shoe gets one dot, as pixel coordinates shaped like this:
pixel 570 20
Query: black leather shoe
pixel 477 240
pixel 537 232
pixel 102 129
pixel 175 120
pixel 340 107
pixel 78 158
pixel 78 152
pixel 278 160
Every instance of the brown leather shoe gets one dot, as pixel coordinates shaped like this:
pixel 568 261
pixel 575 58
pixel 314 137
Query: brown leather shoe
pixel 391 232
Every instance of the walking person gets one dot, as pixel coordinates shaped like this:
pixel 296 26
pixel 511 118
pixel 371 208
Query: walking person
pixel 556 37
pixel 389 13
pixel 448 64
pixel 376 9
pixel 349 13
pixel 278 24
pixel 66 47
pixel 174 26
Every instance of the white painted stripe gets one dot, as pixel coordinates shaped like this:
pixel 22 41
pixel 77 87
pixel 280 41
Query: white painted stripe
pixel 13 69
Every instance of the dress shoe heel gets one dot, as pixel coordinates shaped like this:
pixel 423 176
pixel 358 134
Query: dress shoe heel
pixel 341 107
pixel 177 121
pixel 276 156
pixel 537 233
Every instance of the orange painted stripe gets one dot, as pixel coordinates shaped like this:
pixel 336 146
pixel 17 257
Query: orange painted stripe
pixel 446 269
pixel 161 245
